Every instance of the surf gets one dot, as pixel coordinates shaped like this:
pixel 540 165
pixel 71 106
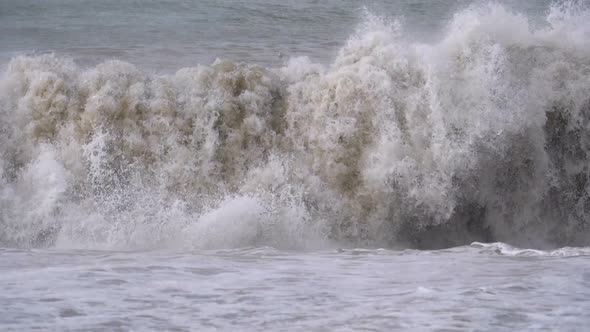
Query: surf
pixel 480 135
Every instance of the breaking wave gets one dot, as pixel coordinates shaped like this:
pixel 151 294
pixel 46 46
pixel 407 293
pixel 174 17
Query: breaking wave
pixel 481 136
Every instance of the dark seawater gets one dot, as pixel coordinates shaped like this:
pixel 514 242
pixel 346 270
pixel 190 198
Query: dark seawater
pixel 171 34
pixel 294 165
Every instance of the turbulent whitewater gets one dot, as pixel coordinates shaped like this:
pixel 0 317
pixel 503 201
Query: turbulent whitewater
pixel 480 135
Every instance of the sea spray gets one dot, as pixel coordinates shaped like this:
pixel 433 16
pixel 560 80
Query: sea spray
pixel 479 136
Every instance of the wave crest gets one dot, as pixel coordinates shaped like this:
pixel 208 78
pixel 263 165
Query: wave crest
pixel 481 136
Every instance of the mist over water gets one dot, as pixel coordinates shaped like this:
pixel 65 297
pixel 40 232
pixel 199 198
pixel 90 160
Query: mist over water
pixel 479 135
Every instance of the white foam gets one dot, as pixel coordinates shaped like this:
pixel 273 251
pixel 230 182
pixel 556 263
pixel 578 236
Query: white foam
pixel 480 134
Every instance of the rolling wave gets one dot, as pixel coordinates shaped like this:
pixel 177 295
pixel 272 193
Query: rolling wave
pixel 480 136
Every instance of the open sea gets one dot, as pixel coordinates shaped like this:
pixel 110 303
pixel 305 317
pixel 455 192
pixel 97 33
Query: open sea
pixel 265 165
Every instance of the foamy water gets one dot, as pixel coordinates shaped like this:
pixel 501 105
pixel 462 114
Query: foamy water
pixel 484 288
pixel 125 146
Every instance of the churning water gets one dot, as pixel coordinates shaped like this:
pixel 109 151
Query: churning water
pixel 201 165
pixel 475 288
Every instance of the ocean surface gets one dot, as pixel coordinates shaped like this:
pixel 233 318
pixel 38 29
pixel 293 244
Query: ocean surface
pixel 294 165
pixel 474 288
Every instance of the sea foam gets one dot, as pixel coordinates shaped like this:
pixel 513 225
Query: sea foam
pixel 479 136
